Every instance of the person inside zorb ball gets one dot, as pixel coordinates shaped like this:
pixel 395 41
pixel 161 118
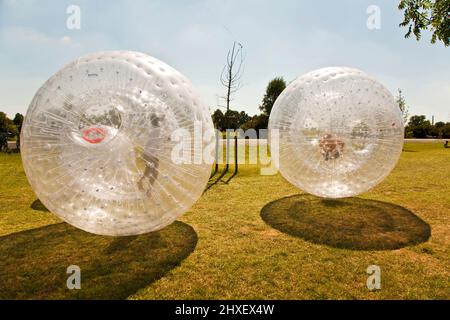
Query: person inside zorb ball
pixel 98 143
pixel 339 131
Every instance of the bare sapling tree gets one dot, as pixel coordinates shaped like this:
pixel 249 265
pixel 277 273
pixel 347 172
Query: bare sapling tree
pixel 232 72
pixel 230 78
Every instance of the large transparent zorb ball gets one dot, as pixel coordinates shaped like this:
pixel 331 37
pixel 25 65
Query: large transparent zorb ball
pixel 340 132
pixel 101 143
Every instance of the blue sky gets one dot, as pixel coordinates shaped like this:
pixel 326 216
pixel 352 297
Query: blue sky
pixel 281 38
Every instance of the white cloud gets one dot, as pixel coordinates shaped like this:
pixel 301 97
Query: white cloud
pixel 66 40
pixel 21 34
pixel 29 36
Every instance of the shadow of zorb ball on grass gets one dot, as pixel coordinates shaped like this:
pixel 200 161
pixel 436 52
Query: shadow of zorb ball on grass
pixel 350 223
pixel 99 141
pixel 340 132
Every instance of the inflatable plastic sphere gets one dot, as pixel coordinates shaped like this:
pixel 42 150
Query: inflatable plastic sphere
pixel 340 132
pixel 98 144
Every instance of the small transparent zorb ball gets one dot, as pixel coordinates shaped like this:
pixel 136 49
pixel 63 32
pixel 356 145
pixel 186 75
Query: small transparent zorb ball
pixel 340 132
pixel 98 143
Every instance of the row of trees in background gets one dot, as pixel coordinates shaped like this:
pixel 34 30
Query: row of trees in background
pixel 420 127
pixel 417 126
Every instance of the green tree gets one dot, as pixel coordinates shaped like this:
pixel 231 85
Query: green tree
pixel 7 125
pixel 403 106
pixel 445 131
pixel 439 124
pixel 438 129
pixel 418 121
pixel 419 126
pixel 273 90
pixel 231 119
pixel 256 122
pixel 18 120
pixel 243 118
pixel 218 119
pixel 433 15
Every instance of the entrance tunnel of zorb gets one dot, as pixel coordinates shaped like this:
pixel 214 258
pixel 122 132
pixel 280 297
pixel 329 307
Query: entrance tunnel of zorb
pixel 97 143
pixel 339 131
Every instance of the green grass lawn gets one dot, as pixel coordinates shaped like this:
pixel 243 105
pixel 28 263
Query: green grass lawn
pixel 256 237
